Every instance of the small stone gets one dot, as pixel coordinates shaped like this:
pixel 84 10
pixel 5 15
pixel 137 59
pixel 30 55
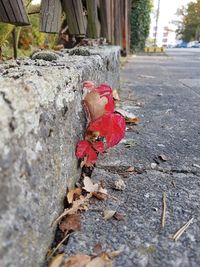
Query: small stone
pixel 45 55
pixel 153 165
pixel 119 185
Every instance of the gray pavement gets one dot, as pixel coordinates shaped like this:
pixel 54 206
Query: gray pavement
pixel 164 91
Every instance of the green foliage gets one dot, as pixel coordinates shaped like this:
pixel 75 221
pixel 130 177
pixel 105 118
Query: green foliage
pixel 140 23
pixel 189 27
pixel 5 30
pixel 28 38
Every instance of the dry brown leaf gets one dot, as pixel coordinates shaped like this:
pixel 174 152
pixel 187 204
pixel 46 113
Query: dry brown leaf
pixel 115 253
pixel 95 105
pixel 79 204
pixel 100 196
pixel 115 95
pixel 93 188
pixel 56 261
pixel 91 136
pixel 97 249
pixel 163 157
pixel 119 216
pixel 83 162
pixel 108 214
pixel 77 261
pixel 70 222
pixel 89 186
pixel 100 262
pixel 134 120
pixel 130 169
pixel 71 195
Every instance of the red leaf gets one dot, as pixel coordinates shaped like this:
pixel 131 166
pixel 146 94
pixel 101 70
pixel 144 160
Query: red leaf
pixel 84 148
pixel 103 89
pixel 99 146
pixel 89 85
pixel 111 126
pixel 91 156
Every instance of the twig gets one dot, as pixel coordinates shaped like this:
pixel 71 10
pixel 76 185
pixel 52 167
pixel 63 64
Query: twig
pixel 178 234
pixel 65 212
pixel 163 211
pixel 57 247
pixel 196 165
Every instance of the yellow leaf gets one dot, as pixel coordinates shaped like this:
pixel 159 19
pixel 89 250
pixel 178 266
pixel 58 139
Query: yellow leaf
pixel 77 261
pixel 72 193
pixel 108 214
pixel 56 261
pixel 134 120
pixel 115 95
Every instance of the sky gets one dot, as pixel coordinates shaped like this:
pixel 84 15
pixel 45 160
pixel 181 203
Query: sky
pixel 168 10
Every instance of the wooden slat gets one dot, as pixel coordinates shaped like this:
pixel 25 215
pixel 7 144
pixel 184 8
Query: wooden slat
pixel 75 17
pixel 112 21
pixel 3 16
pixel 117 22
pixel 13 12
pixel 93 27
pixel 50 16
pixel 105 19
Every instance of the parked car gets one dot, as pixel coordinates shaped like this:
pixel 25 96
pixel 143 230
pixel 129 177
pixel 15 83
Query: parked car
pixel 197 45
pixel 182 45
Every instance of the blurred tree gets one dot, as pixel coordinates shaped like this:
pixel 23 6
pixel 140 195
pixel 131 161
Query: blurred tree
pixel 140 23
pixel 189 24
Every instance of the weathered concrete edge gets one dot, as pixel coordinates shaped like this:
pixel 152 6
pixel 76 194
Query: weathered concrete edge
pixel 41 120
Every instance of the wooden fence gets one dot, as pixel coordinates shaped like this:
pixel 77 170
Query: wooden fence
pixel 88 18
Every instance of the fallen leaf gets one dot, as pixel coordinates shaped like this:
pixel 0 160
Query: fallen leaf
pixel 125 113
pixel 99 262
pixel 77 261
pixel 91 136
pixel 70 222
pixel 89 85
pixel 94 105
pixel 100 196
pixel 130 169
pixel 97 249
pixel 56 261
pixel 72 194
pixel 91 188
pixel 134 120
pixel 115 253
pixel 115 95
pixel 111 126
pixel 119 185
pixel 79 204
pixel 119 216
pixel 108 214
pixel 163 157
pixel 85 149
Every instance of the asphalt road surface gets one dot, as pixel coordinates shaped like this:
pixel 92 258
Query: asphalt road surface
pixel 164 92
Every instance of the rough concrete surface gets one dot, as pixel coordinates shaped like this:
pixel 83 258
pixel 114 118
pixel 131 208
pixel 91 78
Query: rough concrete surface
pixel 162 91
pixel 41 120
